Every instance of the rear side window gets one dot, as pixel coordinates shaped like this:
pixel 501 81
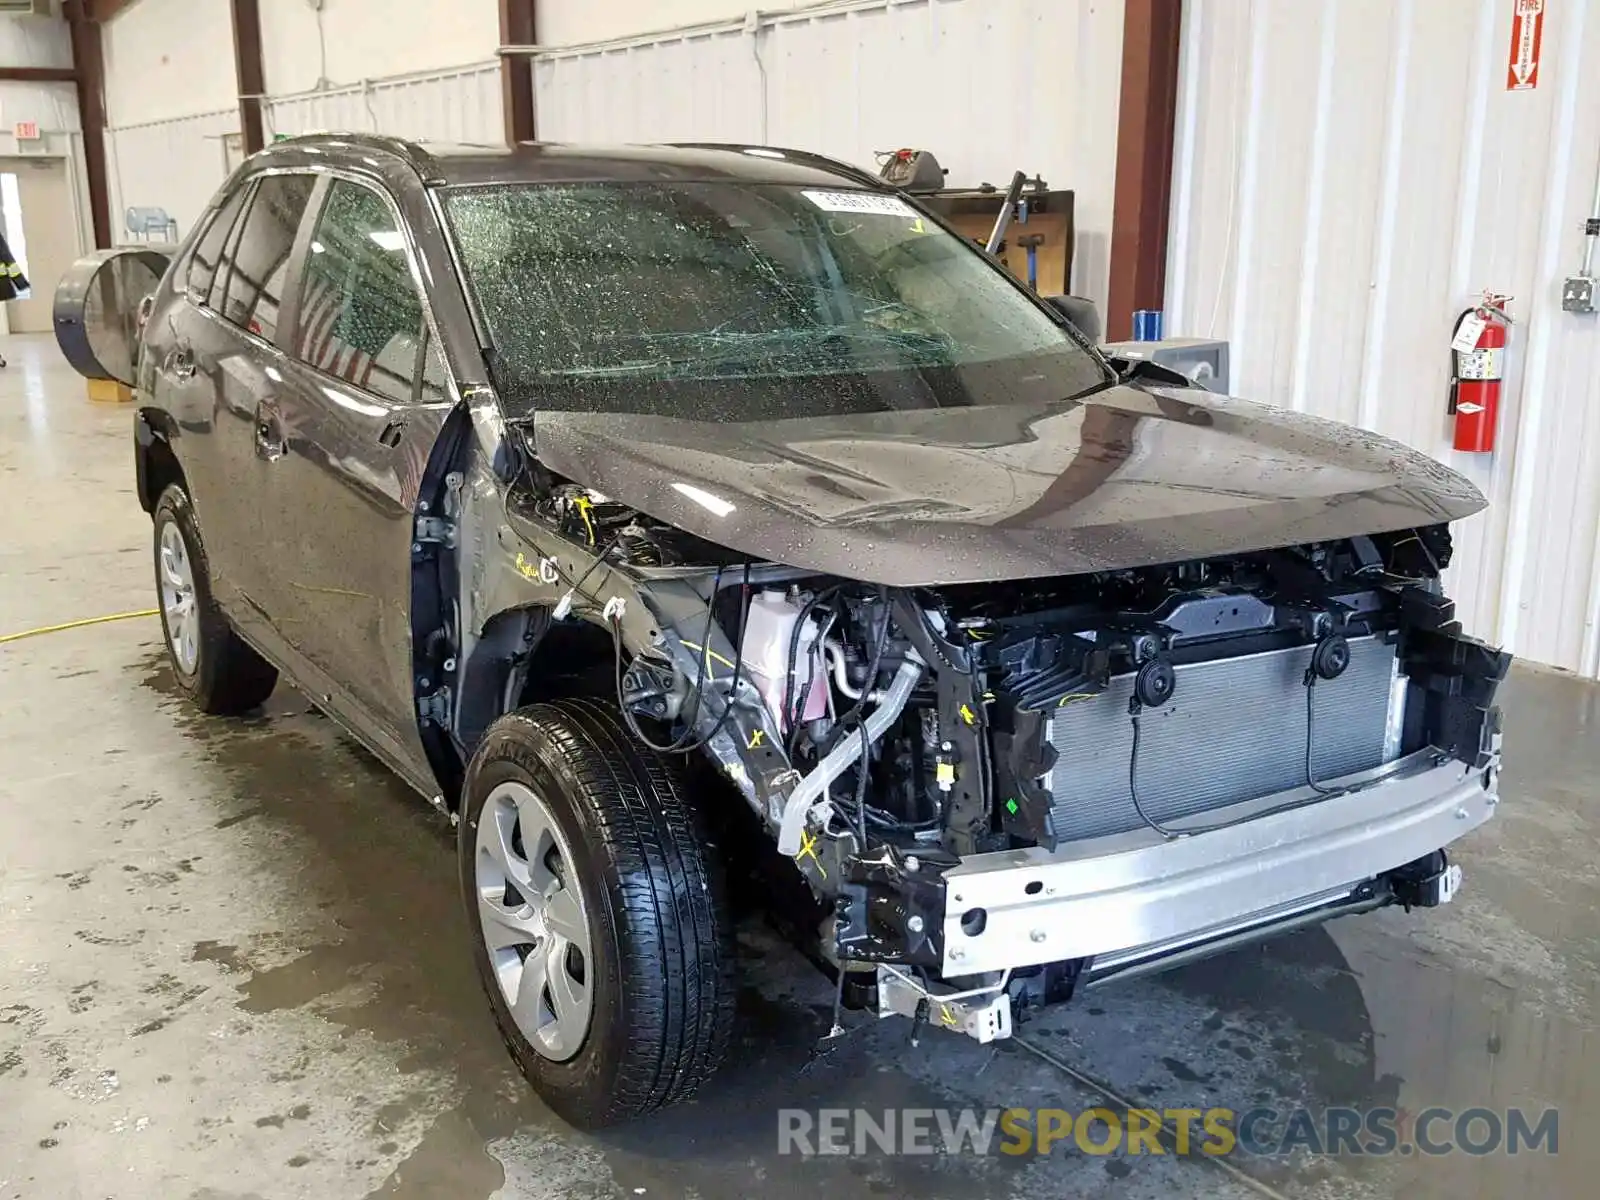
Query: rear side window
pixel 208 251
pixel 360 314
pixel 257 265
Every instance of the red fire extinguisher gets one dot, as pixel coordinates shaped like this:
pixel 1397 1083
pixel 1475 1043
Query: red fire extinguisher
pixel 1477 365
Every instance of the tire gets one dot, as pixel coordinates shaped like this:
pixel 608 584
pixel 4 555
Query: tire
pixel 659 974
pixel 213 665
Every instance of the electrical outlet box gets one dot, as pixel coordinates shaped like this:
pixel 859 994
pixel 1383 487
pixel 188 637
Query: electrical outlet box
pixel 1577 294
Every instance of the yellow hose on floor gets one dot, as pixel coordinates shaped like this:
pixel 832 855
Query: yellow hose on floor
pixel 44 629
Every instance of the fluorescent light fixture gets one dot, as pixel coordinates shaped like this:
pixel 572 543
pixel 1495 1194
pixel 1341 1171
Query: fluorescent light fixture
pixel 274 374
pixel 763 152
pixel 388 239
pixel 715 505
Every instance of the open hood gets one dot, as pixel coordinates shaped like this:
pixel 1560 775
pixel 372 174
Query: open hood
pixel 1128 477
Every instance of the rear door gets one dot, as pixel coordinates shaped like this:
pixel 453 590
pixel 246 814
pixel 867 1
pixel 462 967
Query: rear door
pixel 188 356
pixel 364 400
pixel 246 368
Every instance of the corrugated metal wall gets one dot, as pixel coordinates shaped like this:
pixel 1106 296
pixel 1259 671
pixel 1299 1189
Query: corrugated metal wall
pixel 174 164
pixel 1348 176
pixel 989 85
pixel 178 164
pixel 458 105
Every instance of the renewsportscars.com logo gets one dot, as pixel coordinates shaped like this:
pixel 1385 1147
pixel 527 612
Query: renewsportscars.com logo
pixel 1264 1132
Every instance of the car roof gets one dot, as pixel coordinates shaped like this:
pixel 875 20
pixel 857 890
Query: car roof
pixel 550 162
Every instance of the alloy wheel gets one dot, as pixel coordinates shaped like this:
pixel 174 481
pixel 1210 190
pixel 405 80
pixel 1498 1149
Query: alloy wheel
pixel 534 920
pixel 178 599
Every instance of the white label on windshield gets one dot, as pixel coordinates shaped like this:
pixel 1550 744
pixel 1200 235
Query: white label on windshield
pixel 860 202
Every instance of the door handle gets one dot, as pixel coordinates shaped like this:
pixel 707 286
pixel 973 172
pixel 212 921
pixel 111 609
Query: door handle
pixel 181 363
pixel 270 443
pixel 392 433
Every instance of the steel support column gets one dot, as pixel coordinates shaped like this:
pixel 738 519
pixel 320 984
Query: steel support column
pixel 88 72
pixel 251 74
pixel 38 74
pixel 518 27
pixel 1145 130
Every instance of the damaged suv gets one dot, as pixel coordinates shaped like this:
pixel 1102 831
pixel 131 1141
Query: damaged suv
pixel 612 497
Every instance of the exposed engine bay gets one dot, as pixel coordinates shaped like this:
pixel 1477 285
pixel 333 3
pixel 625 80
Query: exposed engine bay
pixel 897 741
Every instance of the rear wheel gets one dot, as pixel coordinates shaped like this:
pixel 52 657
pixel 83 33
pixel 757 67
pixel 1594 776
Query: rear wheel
pixel 599 925
pixel 213 665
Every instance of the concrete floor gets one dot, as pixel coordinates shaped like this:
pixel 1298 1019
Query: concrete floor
pixel 232 961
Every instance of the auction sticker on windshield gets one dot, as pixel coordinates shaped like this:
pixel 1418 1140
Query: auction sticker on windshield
pixel 860 202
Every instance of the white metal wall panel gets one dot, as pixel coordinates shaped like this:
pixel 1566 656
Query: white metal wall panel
pixel 705 87
pixel 458 105
pixel 53 106
pixel 168 58
pixel 306 44
pixel 989 85
pixel 175 164
pixel 35 42
pixel 569 22
pixel 1349 175
pixel 178 164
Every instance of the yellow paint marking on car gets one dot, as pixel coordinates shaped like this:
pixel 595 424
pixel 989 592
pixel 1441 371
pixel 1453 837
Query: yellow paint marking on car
pixel 808 847
pixel 711 654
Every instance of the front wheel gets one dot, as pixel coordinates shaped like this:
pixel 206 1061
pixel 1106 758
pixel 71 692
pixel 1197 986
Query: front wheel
pixel 601 933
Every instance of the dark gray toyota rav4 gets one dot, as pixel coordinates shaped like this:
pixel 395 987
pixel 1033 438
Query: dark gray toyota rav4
pixel 666 513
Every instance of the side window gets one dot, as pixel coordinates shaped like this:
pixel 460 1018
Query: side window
pixel 257 266
pixel 208 251
pixel 360 314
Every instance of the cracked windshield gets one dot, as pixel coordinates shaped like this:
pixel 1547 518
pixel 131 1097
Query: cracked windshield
pixel 726 301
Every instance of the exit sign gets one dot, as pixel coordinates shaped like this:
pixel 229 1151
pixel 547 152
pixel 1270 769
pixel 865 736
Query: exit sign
pixel 26 131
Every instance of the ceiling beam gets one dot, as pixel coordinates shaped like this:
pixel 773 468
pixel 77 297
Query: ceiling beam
pixel 518 27
pixel 251 73
pixel 89 72
pixel 38 75
pixel 1143 190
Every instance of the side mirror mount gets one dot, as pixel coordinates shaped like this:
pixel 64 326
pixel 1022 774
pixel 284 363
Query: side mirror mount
pixel 1081 311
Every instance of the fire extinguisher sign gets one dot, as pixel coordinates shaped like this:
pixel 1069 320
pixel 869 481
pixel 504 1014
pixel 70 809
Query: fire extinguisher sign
pixel 1527 37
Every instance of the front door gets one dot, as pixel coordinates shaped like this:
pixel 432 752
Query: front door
pixel 364 401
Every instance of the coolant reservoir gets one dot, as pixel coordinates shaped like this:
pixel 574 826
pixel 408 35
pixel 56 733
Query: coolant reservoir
pixel 767 634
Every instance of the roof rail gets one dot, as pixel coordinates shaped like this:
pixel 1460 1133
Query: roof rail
pixel 404 148
pixel 808 157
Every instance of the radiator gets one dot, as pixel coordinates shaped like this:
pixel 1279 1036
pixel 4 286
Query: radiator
pixel 1235 730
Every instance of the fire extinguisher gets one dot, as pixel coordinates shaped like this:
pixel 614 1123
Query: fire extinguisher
pixel 1477 365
